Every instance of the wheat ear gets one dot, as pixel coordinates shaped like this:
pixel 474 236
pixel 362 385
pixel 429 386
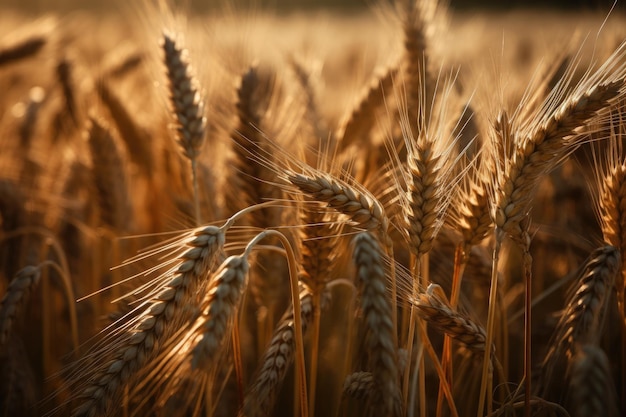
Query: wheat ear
pixel 583 317
pixel 276 361
pixel 64 72
pixel 545 144
pixel 254 180
pixel 141 341
pixel 188 106
pixel 359 385
pixel 24 282
pixel 109 177
pixel 362 120
pixel 591 391
pixel 363 209
pixel 376 307
pixel 435 309
pixel 611 208
pixel 543 148
pixel 222 301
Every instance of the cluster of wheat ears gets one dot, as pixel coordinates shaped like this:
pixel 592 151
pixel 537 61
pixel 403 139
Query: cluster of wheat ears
pixel 215 231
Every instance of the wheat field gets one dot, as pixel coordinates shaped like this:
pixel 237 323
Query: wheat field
pixel 405 211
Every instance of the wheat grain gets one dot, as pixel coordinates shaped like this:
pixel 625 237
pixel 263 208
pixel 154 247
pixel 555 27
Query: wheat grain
pixel 364 210
pixel 109 178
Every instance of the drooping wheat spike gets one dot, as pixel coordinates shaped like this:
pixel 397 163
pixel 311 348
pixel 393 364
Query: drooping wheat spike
pixel 139 342
pixel 434 308
pixel 261 396
pixel 541 146
pixel 380 340
pixel 13 301
pixel 362 120
pixel 363 209
pixel 317 248
pixel 591 391
pixel 584 315
pixel 21 50
pixel 109 177
pixel 359 385
pixel 222 301
pixel 428 195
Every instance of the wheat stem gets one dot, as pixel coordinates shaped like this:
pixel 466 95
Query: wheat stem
pixel 297 319
pixel 493 295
